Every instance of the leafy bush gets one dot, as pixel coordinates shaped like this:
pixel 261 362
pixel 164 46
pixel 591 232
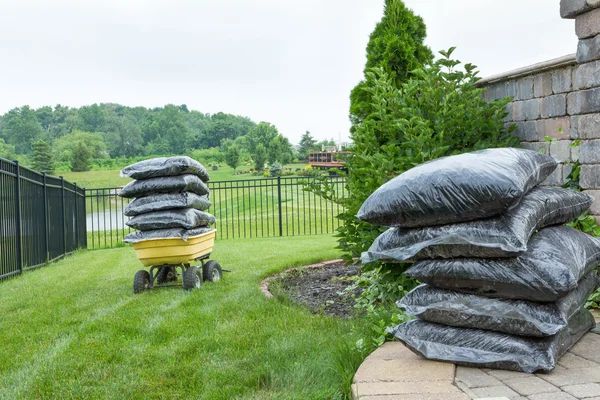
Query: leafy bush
pixel 439 112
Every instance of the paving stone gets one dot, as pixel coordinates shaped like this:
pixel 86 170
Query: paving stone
pixel 588 345
pixel 393 350
pixel 495 391
pixel 589 151
pixel 475 378
pixel 542 85
pixel 561 150
pixel 572 8
pixel 570 360
pixel 588 49
pixel 580 102
pixel 460 396
pixel 552 396
pixel 354 390
pixel 396 388
pixel 583 391
pixel 564 377
pixel 588 24
pixel 505 375
pixel 587 75
pixel 530 385
pixel 554 106
pixel 562 80
pixel 555 128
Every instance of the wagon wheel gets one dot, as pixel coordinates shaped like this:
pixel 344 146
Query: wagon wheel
pixel 167 273
pixel 212 271
pixel 141 281
pixel 192 278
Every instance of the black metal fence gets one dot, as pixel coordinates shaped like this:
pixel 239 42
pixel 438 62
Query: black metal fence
pixel 42 218
pixel 243 209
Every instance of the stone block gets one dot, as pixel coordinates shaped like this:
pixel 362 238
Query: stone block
pixel 575 153
pixel 552 396
pixel 554 106
pixel 530 385
pixel 573 8
pixel 527 110
pixel 511 89
pixel 540 147
pixel 582 391
pixel 585 126
pixel 555 128
pixel 588 25
pixel 495 391
pixel 562 80
pixel 566 170
pixel 561 150
pixel 594 210
pixel 582 102
pixel 524 88
pixel 403 388
pixel 587 75
pixel 526 131
pixel 475 378
pixel 542 85
pixel 497 90
pixel 555 178
pixel 589 178
pixel 588 49
pixel 589 152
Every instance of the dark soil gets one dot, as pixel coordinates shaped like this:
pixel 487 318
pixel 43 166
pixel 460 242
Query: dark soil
pixel 321 289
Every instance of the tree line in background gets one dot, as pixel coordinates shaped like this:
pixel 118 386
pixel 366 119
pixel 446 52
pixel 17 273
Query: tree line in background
pixel 60 137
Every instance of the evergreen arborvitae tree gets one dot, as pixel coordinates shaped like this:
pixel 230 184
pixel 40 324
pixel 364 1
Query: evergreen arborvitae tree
pixel 306 145
pixel 396 46
pixel 42 157
pixel 81 158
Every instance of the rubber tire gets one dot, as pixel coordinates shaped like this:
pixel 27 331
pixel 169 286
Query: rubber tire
pixel 163 274
pixel 141 281
pixel 192 278
pixel 212 271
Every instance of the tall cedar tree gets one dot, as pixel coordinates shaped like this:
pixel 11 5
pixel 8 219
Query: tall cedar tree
pixel 396 46
pixel 306 145
pixel 42 157
pixel 81 158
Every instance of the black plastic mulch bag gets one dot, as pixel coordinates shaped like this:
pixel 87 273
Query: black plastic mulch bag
pixel 557 258
pixel 487 349
pixel 503 236
pixel 174 233
pixel 459 188
pixel 165 166
pixel 166 201
pixel 165 184
pixel 187 218
pixel 515 317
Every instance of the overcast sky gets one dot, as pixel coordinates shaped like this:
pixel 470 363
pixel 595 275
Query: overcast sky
pixel 292 63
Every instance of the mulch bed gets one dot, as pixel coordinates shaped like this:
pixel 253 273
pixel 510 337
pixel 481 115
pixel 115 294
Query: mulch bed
pixel 321 289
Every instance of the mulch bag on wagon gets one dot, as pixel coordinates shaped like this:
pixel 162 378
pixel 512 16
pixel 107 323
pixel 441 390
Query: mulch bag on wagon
pixel 458 188
pixel 165 166
pixel 503 236
pixel 172 233
pixel 487 349
pixel 187 218
pixel 165 184
pixel 557 258
pixel 166 201
pixel 515 317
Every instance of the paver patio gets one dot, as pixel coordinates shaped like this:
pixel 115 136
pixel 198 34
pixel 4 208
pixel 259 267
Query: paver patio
pixel 395 372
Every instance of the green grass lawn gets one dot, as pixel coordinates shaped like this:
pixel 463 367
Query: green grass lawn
pixel 75 330
pixel 111 178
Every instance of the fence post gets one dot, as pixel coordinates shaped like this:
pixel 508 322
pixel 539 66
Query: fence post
pixel 64 214
pixel 279 203
pixel 46 225
pixel 18 217
pixel 85 242
pixel 76 219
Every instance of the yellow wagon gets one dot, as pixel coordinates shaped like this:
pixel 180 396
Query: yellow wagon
pixel 165 256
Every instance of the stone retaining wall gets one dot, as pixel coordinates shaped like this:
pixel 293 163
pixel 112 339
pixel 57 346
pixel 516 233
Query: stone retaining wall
pixel 560 99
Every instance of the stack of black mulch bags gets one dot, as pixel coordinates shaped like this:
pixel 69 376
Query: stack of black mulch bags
pixel 498 290
pixel 170 198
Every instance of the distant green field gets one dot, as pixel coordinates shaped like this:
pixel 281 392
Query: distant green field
pixel 111 178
